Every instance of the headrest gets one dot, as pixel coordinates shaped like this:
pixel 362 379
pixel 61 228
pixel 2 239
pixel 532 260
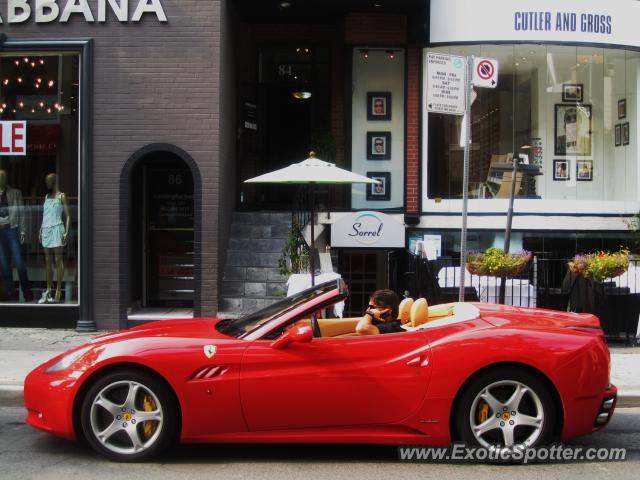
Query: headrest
pixel 419 312
pixel 404 310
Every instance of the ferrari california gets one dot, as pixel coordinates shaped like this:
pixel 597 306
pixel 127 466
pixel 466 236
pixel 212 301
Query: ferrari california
pixel 487 375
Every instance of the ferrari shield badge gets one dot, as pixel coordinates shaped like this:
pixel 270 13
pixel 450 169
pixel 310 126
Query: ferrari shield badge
pixel 209 350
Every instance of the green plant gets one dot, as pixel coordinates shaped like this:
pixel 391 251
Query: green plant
pixel 293 252
pixel 324 144
pixel 495 263
pixel 600 265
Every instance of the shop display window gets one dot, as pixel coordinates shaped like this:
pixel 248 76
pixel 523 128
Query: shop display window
pixel 39 194
pixel 569 113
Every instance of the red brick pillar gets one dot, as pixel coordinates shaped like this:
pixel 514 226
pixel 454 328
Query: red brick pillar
pixel 412 188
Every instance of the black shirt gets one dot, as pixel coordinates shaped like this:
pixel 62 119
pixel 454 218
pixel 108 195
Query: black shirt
pixel 4 205
pixel 392 326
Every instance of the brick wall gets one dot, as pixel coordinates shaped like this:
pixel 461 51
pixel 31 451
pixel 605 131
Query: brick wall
pixel 153 83
pixel 375 29
pixel 412 188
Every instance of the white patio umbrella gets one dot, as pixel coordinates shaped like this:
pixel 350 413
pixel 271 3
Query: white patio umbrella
pixel 311 172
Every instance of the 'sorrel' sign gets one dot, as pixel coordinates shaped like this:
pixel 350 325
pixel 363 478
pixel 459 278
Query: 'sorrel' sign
pixel 367 230
pixel 47 11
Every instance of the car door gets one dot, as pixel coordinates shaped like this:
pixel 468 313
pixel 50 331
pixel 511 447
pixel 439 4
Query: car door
pixel 334 381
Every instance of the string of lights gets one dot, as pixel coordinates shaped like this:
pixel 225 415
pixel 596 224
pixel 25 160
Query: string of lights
pixel 29 72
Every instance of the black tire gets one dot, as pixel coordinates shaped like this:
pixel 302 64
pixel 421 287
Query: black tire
pixel 114 386
pixel 465 404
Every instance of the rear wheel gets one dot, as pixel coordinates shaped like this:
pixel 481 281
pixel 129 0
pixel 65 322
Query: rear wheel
pixel 506 408
pixel 129 416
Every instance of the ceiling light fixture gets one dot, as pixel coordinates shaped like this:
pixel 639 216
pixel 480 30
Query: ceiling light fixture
pixel 302 95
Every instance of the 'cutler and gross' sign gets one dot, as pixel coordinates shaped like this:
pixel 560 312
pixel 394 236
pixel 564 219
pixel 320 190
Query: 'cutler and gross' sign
pixel 47 11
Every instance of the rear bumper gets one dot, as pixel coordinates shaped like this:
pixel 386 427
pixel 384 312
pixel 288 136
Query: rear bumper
pixel 607 407
pixel 589 414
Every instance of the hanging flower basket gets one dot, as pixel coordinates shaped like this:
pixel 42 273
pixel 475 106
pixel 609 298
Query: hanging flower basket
pixel 601 265
pixel 495 263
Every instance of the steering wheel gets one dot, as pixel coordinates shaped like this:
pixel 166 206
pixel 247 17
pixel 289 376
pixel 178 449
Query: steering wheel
pixel 315 326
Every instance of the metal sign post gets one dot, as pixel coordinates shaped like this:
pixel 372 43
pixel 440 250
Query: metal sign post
pixel 450 81
pixel 465 175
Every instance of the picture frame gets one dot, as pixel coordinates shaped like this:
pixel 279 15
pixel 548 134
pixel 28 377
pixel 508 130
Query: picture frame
pixel 584 170
pixel 572 92
pixel 378 145
pixel 572 130
pixel 561 170
pixel 379 106
pixel 381 192
pixel 625 133
pixel 622 109
pixel 618 135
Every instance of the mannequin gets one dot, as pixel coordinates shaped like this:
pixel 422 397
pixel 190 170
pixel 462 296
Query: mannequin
pixel 12 236
pixel 53 236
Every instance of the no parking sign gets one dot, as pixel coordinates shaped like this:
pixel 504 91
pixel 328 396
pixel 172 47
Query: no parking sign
pixel 485 72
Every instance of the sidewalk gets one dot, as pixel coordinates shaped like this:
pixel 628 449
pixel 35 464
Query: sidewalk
pixel 22 349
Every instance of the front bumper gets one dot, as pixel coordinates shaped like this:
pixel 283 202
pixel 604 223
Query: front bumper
pixel 49 399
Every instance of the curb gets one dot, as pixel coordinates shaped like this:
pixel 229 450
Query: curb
pixel 13 396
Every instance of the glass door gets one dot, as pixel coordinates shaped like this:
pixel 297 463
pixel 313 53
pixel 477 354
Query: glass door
pixel 168 237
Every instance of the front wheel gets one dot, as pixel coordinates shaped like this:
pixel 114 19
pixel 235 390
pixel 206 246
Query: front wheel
pixel 129 416
pixel 506 408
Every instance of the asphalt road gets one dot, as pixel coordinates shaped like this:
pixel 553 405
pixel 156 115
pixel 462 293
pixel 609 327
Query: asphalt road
pixel 28 454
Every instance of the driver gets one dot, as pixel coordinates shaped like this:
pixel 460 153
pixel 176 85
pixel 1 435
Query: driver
pixel 381 315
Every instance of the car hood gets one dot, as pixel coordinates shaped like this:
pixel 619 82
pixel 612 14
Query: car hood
pixel 187 328
pixel 523 317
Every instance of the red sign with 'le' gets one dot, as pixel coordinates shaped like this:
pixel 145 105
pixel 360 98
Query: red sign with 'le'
pixel 13 139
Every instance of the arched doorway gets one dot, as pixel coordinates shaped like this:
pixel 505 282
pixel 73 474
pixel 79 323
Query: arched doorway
pixel 160 237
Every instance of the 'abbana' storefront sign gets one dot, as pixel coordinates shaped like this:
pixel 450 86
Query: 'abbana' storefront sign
pixel 612 22
pixel 47 11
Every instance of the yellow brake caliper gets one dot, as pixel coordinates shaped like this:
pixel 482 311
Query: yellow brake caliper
pixel 483 412
pixel 148 427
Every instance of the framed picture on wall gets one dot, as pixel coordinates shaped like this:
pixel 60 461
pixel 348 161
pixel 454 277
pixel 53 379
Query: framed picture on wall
pixel 622 108
pixel 381 191
pixel 584 170
pixel 572 92
pixel 378 145
pixel 625 133
pixel 379 106
pixel 618 135
pixel 573 130
pixel 561 170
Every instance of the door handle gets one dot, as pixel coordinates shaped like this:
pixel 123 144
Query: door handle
pixel 421 361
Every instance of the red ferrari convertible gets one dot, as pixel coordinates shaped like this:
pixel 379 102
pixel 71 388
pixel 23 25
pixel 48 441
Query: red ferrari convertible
pixel 489 375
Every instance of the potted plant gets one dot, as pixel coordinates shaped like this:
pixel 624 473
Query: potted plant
pixel 494 262
pixel 585 283
pixel 599 266
pixel 295 253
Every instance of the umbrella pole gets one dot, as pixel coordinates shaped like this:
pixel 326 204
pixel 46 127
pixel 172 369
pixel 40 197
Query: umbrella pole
pixel 312 260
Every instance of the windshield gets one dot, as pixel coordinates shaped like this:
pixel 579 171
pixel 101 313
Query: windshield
pixel 244 325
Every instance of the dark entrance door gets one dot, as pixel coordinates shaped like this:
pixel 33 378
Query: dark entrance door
pixel 292 104
pixel 168 235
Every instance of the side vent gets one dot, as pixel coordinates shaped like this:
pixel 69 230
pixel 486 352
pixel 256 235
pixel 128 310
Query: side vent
pixel 208 373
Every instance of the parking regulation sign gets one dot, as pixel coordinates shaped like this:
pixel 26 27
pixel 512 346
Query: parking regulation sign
pixel 446 83
pixel 485 72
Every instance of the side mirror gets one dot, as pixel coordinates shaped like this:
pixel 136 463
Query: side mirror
pixel 302 334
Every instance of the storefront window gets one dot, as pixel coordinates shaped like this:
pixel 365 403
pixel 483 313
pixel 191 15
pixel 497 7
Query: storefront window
pixel 39 195
pixel 571 114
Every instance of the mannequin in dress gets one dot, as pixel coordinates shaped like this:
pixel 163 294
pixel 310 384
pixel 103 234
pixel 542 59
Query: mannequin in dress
pixel 53 236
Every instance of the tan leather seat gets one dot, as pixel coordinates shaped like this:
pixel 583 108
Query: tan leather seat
pixel 404 310
pixel 419 312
